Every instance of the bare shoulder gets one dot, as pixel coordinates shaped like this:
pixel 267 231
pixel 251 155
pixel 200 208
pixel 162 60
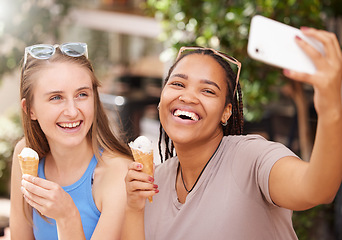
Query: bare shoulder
pixel 115 161
pixel 19 146
pixel 109 179
pixel 111 168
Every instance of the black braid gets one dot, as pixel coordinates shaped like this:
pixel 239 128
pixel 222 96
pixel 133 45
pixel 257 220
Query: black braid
pixel 235 122
pixel 159 142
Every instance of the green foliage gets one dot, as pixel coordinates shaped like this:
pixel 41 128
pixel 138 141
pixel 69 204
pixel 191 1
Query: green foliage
pixel 27 22
pixel 10 132
pixel 311 224
pixel 224 25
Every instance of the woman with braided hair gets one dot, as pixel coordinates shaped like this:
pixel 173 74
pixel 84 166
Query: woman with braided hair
pixel 220 184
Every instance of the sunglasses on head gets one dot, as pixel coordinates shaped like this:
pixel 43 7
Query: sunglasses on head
pixel 45 51
pixel 229 59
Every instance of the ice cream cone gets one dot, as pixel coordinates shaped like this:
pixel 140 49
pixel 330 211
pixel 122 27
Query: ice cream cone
pixel 29 165
pixel 146 159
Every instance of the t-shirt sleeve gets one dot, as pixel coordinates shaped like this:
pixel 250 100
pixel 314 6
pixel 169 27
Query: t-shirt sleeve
pixel 270 154
pixel 255 159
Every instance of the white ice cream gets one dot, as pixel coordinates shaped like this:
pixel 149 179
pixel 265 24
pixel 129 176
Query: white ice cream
pixel 29 152
pixel 142 144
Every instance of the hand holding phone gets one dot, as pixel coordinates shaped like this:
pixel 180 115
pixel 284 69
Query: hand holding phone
pixel 274 43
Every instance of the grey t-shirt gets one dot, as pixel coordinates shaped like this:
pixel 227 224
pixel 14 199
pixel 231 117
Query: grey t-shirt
pixel 231 200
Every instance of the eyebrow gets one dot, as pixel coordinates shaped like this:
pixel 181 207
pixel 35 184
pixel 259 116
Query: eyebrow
pixel 59 92
pixel 206 81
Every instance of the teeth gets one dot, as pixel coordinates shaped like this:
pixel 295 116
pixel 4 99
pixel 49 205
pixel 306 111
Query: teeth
pixel 70 125
pixel 191 115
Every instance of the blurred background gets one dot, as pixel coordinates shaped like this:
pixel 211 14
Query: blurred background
pixel 132 43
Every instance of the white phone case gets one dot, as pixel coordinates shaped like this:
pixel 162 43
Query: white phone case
pixel 274 43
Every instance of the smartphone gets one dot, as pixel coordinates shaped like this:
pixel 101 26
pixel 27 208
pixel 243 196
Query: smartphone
pixel 274 43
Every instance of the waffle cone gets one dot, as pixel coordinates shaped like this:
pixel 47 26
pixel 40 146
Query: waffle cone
pixel 146 159
pixel 29 165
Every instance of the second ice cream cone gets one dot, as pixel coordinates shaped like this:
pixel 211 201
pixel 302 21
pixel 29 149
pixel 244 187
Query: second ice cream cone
pixel 146 159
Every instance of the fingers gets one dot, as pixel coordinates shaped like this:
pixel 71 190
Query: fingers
pixel 37 181
pixel 328 39
pixel 328 65
pixel 31 198
pixel 134 172
pixel 137 180
pixel 298 76
pixel 38 192
pixel 139 184
pixel 37 186
pixel 36 196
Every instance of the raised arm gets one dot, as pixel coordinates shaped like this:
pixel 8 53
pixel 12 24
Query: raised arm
pixel 52 201
pixel 299 185
pixel 109 196
pixel 139 187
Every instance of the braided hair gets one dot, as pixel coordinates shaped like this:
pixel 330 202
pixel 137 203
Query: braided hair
pixel 234 96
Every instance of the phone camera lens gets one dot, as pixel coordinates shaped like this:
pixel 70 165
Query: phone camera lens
pixel 257 50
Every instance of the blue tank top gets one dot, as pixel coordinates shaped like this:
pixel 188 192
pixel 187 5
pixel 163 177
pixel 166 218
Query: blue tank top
pixel 81 193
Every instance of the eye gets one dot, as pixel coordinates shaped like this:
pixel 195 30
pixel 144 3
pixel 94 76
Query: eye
pixel 55 98
pixel 83 95
pixel 209 91
pixel 177 84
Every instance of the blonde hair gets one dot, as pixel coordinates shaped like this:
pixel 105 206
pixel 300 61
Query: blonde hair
pixel 100 134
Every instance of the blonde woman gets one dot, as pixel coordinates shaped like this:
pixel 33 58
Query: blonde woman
pixel 80 191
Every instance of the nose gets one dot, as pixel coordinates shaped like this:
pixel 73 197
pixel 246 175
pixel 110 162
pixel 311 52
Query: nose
pixel 71 109
pixel 188 97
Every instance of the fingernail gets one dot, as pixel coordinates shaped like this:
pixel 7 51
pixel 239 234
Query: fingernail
pixel 151 179
pixel 298 38
pixel 286 72
pixel 157 191
pixel 155 186
pixel 139 165
pixel 304 28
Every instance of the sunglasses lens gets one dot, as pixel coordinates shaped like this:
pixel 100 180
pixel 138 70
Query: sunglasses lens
pixel 73 49
pixel 42 51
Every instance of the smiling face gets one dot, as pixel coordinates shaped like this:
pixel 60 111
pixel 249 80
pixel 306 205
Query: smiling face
pixel 63 103
pixel 193 100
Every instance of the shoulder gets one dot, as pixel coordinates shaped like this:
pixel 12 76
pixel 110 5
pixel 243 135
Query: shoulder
pixel 252 150
pixel 114 164
pixel 109 176
pixel 19 146
pixel 244 139
pixel 253 143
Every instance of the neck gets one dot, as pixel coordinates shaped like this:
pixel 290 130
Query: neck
pixel 64 163
pixel 193 159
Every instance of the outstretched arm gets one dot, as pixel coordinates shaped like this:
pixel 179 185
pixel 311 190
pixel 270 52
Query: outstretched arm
pixel 299 185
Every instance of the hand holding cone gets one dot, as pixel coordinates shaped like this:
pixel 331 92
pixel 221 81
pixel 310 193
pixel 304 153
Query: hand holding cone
pixel 143 153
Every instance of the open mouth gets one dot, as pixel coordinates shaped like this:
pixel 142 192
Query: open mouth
pixel 186 115
pixel 69 125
